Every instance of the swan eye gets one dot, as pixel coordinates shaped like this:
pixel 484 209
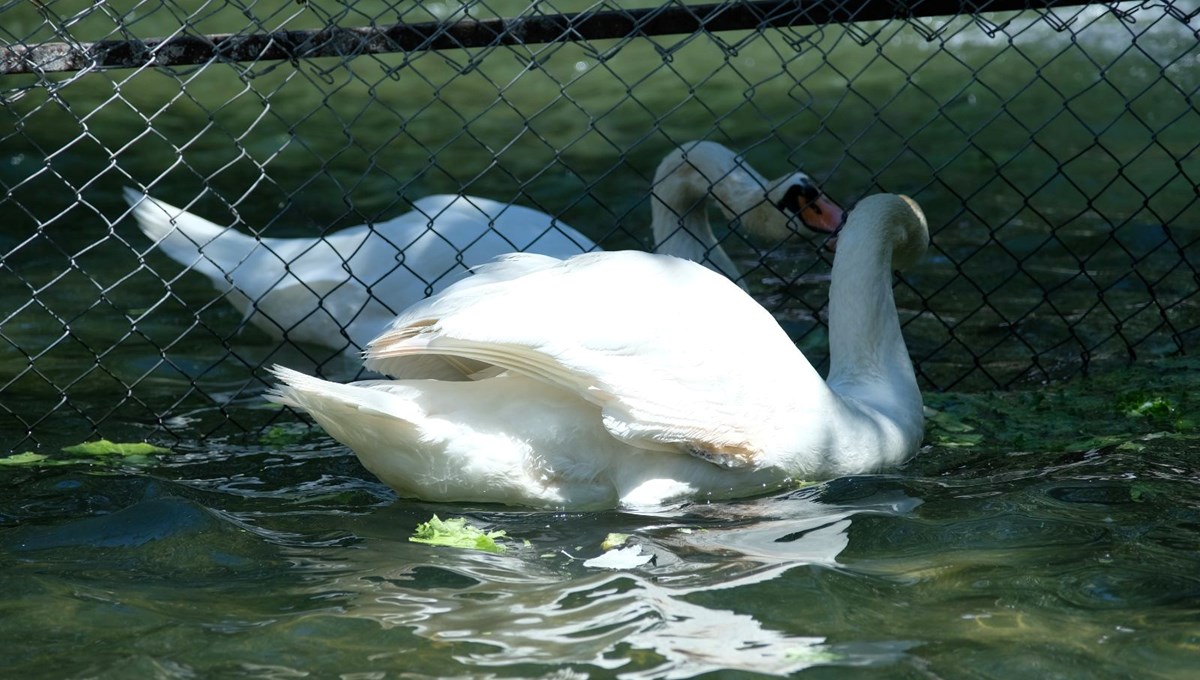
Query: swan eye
pixel 799 196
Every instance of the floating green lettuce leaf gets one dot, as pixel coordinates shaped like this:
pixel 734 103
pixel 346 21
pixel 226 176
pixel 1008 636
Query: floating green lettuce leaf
pixel 87 453
pixel 1140 492
pixel 28 458
pixel 456 533
pixel 104 447
pixel 1143 404
pixel 816 654
pixel 947 428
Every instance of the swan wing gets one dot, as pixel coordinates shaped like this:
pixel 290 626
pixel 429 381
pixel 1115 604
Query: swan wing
pixel 677 357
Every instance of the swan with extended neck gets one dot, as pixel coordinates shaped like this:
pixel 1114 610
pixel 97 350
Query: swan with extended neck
pixel 632 379
pixel 342 289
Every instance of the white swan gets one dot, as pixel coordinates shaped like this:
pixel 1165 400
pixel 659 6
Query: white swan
pixel 342 289
pixel 632 379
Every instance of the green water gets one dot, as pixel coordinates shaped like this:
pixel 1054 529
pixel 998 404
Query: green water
pixel 1067 557
pixel 1049 531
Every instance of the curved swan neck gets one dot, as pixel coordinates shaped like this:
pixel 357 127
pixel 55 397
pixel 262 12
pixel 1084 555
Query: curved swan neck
pixel 868 359
pixel 679 210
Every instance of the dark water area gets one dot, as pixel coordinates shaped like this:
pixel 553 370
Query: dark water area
pixel 1047 530
pixel 291 560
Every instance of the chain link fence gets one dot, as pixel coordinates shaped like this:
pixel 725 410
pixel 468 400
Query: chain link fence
pixel 1053 147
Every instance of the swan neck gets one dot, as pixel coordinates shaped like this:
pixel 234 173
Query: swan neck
pixel 868 357
pixel 682 186
pixel 685 232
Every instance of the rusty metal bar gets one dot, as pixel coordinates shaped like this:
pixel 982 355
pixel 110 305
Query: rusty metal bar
pixel 336 41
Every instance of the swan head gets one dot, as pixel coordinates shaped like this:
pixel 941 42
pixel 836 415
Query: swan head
pixel 901 220
pixel 798 195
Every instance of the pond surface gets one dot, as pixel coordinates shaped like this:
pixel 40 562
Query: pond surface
pixel 286 559
pixel 1054 154
pixel 1050 531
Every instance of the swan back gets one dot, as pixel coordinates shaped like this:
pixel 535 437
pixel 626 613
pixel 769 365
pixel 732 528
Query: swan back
pixel 676 356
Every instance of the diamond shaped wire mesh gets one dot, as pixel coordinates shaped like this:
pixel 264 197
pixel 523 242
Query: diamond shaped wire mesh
pixel 1053 149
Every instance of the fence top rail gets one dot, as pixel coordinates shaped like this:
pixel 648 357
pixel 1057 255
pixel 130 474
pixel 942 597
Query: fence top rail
pixel 597 24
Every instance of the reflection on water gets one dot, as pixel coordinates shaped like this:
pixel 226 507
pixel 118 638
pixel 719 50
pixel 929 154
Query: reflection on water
pixel 535 604
pixel 539 605
pixel 285 562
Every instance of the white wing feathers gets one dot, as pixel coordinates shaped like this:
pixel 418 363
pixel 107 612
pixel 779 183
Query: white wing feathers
pixel 676 357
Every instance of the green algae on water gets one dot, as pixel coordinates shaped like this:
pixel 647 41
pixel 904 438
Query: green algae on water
pixel 1115 408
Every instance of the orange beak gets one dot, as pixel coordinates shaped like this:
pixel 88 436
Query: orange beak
pixel 823 215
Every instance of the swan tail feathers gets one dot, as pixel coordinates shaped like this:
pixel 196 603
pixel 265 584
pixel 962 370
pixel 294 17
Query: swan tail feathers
pixel 330 401
pixel 189 239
